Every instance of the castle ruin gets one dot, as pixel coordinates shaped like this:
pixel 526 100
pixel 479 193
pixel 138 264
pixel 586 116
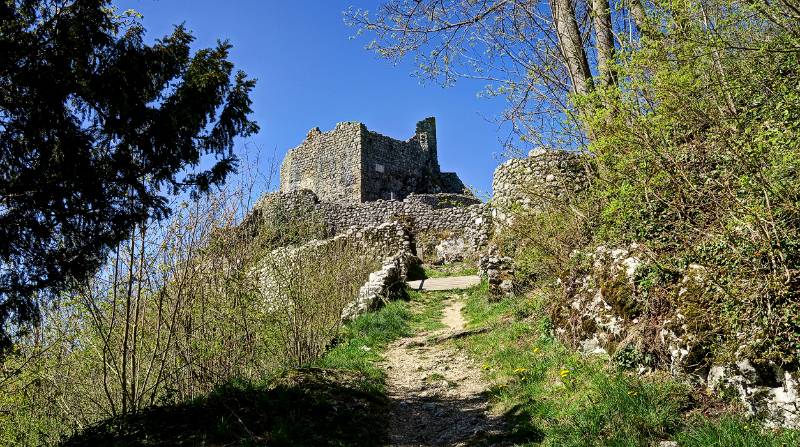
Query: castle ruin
pixel 351 164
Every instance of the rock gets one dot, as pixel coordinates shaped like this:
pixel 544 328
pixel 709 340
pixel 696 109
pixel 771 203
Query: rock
pixel 451 250
pixel 592 347
pixel 499 273
pixel 770 392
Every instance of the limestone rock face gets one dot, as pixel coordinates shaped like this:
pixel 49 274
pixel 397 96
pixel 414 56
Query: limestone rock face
pixel 604 300
pixel 450 250
pixel 769 392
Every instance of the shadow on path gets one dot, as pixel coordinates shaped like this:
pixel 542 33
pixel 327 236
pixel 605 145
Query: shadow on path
pixel 308 407
pixel 433 421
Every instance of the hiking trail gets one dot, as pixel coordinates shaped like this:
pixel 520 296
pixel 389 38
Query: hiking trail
pixel 437 393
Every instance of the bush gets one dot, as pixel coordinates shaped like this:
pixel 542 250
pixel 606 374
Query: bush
pixel 176 312
pixel 306 290
pixel 696 159
pixel 707 171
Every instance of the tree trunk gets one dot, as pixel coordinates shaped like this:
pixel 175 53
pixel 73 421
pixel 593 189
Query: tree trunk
pixel 604 41
pixel 571 45
pixel 636 9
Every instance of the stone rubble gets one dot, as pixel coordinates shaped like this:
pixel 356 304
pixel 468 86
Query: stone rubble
pixel 499 273
pixel 771 393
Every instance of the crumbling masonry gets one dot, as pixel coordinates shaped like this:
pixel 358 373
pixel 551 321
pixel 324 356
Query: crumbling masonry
pixel 351 177
pixel 352 164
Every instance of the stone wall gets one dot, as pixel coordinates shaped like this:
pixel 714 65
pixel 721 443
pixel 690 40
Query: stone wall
pixel 431 218
pixel 389 244
pixel 381 285
pixel 536 181
pixel 393 169
pixel 328 163
pixel 376 241
pixel 352 164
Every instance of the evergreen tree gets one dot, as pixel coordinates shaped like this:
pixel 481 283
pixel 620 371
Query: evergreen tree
pixel 97 128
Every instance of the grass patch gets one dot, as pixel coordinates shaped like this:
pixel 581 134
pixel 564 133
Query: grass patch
pixel 732 431
pixel 452 269
pixel 427 309
pixel 360 342
pixel 553 396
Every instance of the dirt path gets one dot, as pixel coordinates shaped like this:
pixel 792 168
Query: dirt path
pixel 438 396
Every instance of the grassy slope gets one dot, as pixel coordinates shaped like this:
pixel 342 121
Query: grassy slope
pixel 555 397
pixel 337 402
pixel 361 342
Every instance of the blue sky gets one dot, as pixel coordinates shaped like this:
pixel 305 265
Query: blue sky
pixel 311 73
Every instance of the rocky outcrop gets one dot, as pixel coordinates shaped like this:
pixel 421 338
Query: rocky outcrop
pixel 602 301
pixel 605 316
pixel 769 392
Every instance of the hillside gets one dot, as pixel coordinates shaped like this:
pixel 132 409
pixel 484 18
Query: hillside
pixel 451 368
pixel 630 276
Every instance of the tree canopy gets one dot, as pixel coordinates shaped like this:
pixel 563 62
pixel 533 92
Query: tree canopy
pixel 97 128
pixel 687 113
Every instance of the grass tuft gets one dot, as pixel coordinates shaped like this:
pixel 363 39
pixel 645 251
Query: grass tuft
pixel 731 431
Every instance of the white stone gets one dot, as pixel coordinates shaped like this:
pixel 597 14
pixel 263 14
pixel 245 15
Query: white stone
pixel 537 152
pixel 592 346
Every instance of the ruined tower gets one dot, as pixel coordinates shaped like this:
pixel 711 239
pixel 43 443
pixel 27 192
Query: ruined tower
pixel 351 164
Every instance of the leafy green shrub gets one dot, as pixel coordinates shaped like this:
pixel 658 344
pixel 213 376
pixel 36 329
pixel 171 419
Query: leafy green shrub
pixel 699 162
pixel 696 158
pixel 542 242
